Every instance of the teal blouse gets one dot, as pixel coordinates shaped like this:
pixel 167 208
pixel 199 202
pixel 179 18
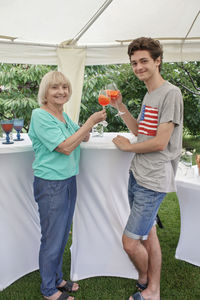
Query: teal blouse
pixel 46 133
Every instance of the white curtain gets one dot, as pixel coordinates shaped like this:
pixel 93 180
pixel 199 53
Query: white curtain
pixel 72 63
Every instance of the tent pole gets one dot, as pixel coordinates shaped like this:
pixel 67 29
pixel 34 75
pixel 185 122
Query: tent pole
pixel 87 25
pixel 181 52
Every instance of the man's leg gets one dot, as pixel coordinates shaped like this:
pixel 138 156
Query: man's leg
pixel 138 254
pixel 154 266
pixel 146 257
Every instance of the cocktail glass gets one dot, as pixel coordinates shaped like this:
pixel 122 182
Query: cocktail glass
pixel 113 92
pixel 103 98
pixel 18 125
pixel 186 159
pixel 7 126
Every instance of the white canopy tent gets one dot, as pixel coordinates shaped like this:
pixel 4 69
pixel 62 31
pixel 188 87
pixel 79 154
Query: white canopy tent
pixel 72 34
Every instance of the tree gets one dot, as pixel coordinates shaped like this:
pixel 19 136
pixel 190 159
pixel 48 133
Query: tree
pixel 19 87
pixel 187 76
pixel 134 90
pixel 18 90
pixel 96 77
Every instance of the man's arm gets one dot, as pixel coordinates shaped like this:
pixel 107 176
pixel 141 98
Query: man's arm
pixel 128 119
pixel 158 143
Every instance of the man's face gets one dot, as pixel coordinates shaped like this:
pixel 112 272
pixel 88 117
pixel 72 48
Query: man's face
pixel 144 67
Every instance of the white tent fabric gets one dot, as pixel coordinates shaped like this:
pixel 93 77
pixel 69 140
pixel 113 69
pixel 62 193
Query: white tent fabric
pixel 35 32
pixel 100 26
pixel 72 63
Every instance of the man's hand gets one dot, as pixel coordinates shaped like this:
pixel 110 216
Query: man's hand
pixel 122 143
pixel 116 101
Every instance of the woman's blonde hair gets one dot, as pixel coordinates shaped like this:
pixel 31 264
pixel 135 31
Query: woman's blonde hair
pixel 50 78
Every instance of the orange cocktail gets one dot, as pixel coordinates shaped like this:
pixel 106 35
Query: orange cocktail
pixel 112 94
pixel 103 100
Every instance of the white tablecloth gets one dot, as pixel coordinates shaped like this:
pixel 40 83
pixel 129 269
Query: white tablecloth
pixel 188 192
pixel 101 211
pixel 19 220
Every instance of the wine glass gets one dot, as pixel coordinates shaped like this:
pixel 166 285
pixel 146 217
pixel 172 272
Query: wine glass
pixel 18 125
pixel 103 98
pixel 186 160
pixel 7 126
pixel 113 93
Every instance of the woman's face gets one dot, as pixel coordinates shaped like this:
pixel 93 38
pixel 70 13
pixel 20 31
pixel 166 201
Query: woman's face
pixel 57 94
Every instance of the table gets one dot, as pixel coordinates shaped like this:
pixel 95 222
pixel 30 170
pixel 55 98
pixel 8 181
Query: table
pixel 101 211
pixel 19 219
pixel 188 192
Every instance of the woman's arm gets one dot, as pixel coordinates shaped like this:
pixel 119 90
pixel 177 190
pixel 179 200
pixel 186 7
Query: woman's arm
pixel 73 141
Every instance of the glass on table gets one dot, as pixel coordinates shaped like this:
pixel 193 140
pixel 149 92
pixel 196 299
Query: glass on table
pixel 113 92
pixel 97 130
pixel 18 124
pixel 186 160
pixel 7 126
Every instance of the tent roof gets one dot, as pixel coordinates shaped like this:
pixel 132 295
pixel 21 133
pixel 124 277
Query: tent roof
pixel 38 27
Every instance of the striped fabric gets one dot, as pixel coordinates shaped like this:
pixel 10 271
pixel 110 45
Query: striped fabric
pixel 148 121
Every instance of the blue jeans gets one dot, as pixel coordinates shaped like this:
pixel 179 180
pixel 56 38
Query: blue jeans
pixel 144 205
pixel 56 201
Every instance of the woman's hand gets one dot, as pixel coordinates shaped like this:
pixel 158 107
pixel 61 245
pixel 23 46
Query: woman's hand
pixel 97 117
pixel 87 137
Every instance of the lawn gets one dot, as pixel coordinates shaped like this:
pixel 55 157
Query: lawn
pixel 179 280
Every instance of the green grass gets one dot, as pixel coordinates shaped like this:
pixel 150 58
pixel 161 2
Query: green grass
pixel 179 280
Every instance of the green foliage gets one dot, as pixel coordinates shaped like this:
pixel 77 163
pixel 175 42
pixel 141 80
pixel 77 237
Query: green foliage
pixel 19 88
pixel 96 77
pixel 133 91
pixel 179 74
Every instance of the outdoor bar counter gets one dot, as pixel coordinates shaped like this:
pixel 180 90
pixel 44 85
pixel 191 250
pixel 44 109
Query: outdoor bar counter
pixel 188 193
pixel 19 220
pixel 101 210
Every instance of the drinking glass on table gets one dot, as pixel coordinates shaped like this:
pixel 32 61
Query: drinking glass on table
pixel 186 160
pixel 113 93
pixel 7 126
pixel 18 125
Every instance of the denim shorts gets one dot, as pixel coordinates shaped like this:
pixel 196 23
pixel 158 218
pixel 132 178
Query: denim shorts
pixel 144 204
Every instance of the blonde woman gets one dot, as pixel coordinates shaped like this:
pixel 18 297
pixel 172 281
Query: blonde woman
pixel 56 142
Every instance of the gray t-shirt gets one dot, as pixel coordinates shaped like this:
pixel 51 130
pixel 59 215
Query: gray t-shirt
pixel 156 170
